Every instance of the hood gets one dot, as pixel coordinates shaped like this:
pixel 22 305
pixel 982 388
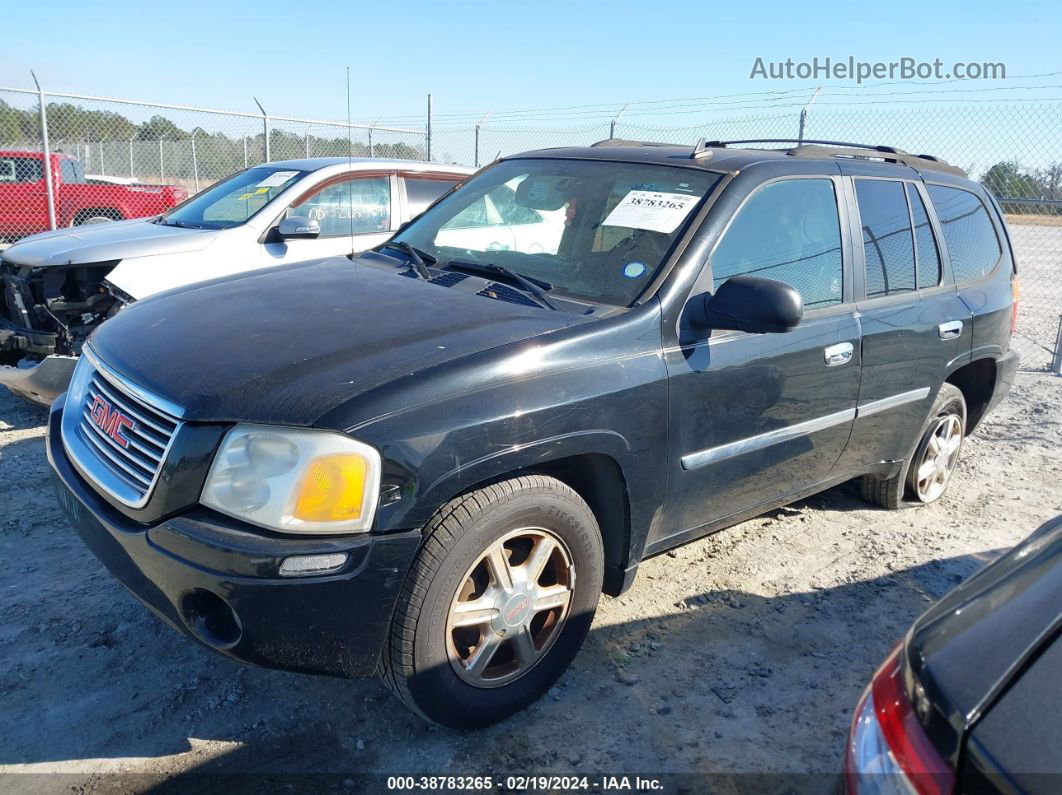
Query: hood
pixel 287 344
pixel 105 242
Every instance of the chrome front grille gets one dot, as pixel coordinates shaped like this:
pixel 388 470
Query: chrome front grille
pixel 118 435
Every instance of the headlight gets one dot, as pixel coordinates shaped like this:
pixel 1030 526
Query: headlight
pixel 294 480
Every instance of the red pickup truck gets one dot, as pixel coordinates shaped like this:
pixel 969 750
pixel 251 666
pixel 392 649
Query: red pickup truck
pixel 78 200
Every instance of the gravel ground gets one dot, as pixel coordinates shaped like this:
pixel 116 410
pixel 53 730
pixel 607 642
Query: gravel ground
pixel 741 653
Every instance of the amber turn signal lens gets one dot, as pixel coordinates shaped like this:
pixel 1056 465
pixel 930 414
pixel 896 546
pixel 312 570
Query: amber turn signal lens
pixel 332 490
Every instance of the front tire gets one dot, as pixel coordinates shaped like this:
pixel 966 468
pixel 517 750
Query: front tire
pixel 497 603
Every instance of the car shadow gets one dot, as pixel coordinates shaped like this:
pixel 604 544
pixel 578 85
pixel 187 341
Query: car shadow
pixel 732 683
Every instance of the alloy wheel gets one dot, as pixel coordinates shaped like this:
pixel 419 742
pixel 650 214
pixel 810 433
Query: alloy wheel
pixel 938 460
pixel 510 607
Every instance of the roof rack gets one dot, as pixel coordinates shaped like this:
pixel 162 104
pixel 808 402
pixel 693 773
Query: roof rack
pixel 809 147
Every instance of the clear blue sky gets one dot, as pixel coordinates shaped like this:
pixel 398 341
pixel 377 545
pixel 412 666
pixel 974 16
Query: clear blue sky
pixel 477 56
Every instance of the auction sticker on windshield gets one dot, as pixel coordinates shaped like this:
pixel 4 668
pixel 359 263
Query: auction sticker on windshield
pixel 276 179
pixel 655 211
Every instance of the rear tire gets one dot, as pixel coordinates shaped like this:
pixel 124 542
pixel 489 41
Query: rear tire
pixel 949 408
pixel 497 603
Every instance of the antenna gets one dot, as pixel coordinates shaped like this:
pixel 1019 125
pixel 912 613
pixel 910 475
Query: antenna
pixel 350 168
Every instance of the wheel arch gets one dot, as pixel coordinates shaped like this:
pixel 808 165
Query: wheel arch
pixel 113 213
pixel 977 382
pixel 593 470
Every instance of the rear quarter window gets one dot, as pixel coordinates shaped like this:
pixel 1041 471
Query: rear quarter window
pixel 969 234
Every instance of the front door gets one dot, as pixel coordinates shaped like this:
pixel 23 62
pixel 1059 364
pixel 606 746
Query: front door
pixel 757 417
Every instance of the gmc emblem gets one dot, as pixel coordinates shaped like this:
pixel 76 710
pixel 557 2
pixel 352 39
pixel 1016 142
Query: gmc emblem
pixel 110 420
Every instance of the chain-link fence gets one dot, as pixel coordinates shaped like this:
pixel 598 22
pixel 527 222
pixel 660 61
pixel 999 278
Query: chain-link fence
pixel 113 158
pixel 117 158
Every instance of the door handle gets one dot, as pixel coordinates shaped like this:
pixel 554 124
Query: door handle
pixel 950 330
pixel 841 353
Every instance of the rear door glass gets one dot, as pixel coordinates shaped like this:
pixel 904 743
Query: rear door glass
pixel 420 193
pixel 888 244
pixel 925 241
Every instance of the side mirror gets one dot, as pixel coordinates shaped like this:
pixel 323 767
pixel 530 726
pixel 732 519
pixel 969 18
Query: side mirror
pixel 745 303
pixel 298 226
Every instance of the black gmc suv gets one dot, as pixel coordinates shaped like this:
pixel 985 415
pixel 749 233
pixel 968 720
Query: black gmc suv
pixel 431 461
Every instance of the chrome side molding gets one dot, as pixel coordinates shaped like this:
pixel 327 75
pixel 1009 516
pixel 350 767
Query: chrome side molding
pixel 711 455
pixel 741 446
pixel 891 402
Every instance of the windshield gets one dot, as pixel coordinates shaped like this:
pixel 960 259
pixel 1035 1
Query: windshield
pixel 596 231
pixel 233 201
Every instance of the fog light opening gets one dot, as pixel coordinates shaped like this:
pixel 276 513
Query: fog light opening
pixel 308 565
pixel 211 619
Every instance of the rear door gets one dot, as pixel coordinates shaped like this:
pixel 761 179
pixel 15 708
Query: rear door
pixel 758 417
pixel 914 326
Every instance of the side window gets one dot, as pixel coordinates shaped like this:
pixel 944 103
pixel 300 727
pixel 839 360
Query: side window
pixel 788 231
pixel 422 192
pixel 888 245
pixel 925 243
pixel 354 206
pixel 20 169
pixel 968 232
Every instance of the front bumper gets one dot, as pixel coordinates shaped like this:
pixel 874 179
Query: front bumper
pixel 42 383
pixel 219 583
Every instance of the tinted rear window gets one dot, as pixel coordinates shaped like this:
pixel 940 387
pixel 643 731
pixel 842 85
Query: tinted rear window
pixel 968 232
pixel 925 241
pixel 422 192
pixel 887 243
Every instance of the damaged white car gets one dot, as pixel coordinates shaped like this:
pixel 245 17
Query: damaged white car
pixel 57 287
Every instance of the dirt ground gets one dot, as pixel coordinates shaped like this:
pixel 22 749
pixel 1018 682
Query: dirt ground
pixel 741 653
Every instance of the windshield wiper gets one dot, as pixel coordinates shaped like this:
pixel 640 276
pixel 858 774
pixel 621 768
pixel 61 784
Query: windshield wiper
pixel 179 224
pixel 536 287
pixel 416 257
